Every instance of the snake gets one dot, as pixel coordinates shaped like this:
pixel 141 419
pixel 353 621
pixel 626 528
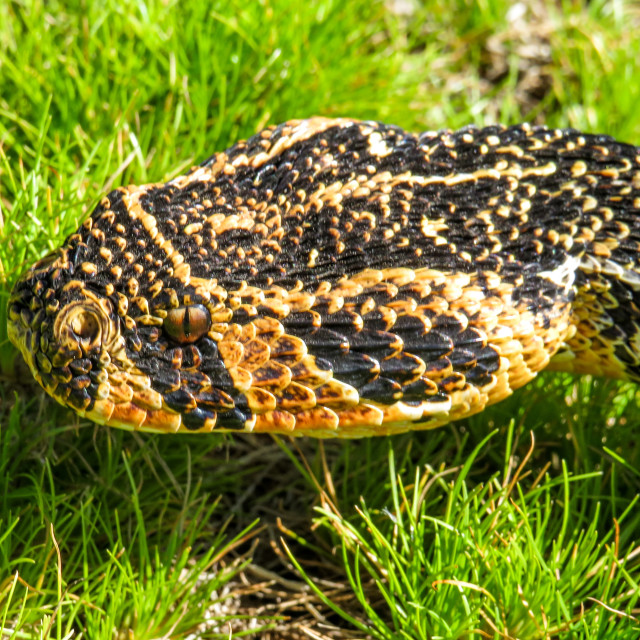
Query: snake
pixel 332 277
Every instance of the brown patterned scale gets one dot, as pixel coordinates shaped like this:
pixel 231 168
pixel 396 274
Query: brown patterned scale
pixel 342 278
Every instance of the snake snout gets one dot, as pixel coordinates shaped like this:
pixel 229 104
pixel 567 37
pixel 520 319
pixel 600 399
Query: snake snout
pixel 57 322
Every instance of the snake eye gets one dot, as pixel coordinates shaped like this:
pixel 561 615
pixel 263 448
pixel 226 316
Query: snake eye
pixel 187 324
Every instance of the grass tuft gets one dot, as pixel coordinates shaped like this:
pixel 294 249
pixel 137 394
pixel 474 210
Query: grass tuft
pixel 438 554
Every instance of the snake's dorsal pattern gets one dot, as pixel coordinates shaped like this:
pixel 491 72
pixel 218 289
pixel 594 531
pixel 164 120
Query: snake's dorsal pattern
pixel 343 278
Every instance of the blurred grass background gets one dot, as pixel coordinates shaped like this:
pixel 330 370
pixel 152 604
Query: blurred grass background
pixel 443 534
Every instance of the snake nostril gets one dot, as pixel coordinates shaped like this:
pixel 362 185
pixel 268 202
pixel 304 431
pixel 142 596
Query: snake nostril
pixel 81 326
pixel 85 326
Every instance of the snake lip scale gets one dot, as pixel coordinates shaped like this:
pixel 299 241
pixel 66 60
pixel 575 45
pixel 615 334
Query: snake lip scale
pixel 332 277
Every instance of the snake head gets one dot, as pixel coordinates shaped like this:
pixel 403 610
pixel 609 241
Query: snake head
pixel 106 338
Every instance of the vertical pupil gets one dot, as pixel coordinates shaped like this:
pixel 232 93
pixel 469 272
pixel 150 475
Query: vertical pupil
pixel 186 326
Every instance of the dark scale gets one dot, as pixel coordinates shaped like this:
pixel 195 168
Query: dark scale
pixel 288 173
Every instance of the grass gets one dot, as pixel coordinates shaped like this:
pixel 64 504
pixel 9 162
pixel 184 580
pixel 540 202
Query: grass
pixel 470 531
pixel 443 559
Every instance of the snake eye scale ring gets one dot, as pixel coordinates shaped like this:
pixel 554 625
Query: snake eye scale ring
pixel 330 277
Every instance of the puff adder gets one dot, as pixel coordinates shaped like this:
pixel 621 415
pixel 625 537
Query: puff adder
pixel 331 277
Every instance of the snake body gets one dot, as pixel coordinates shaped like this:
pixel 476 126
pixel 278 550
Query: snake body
pixel 332 277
